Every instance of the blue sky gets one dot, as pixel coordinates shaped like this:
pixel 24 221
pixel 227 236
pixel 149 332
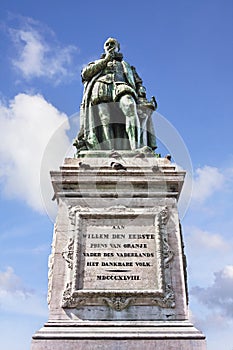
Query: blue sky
pixel 183 51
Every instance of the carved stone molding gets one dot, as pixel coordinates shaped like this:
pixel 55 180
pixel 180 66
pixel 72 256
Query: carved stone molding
pixel 118 209
pixel 163 216
pixel 118 303
pixel 72 210
pixel 167 300
pixel 69 253
pixel 51 266
pixel 167 253
pixel 68 300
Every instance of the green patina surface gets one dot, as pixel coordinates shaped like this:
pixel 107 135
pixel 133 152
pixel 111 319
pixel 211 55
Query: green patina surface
pixel 115 112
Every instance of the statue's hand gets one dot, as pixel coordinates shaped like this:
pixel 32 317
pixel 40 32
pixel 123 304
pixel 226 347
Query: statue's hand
pixel 110 53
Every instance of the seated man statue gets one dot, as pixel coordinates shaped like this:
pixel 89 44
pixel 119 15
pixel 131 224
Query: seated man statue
pixel 112 89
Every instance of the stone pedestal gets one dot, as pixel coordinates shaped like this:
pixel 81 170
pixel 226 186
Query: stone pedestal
pixel 117 273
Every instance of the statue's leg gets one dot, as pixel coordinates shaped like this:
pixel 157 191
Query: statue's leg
pixel 128 106
pixel 143 135
pixel 104 115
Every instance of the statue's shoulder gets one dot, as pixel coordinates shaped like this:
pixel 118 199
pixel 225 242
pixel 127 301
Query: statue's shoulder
pixel 90 64
pixel 126 64
pixel 89 70
pixel 129 66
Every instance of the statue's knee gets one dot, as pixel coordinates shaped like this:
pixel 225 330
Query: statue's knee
pixel 104 116
pixel 127 100
pixel 105 120
pixel 127 103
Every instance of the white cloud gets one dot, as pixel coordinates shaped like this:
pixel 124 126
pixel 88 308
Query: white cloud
pixel 211 320
pixel 206 251
pixel 26 127
pixel 208 225
pixel 212 308
pixel 9 282
pixel 207 180
pixel 219 295
pixel 207 240
pixel 38 54
pixel 14 297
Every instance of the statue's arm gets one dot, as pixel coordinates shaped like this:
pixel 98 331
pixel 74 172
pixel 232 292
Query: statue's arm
pixel 138 81
pixel 95 67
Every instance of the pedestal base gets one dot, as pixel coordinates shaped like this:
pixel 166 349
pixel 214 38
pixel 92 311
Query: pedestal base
pixel 117 267
pixel 154 335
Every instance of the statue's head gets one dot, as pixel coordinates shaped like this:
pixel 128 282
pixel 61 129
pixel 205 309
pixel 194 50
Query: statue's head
pixel 111 44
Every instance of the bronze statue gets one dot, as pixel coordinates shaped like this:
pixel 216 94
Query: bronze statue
pixel 115 113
